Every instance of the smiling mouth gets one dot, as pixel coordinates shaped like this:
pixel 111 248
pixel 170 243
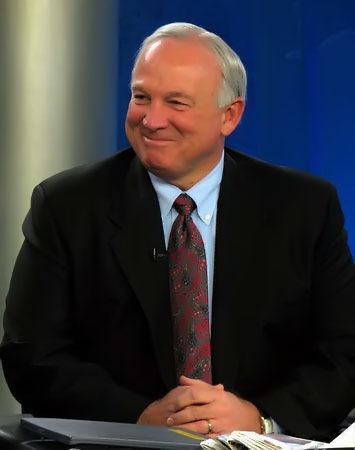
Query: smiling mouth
pixel 156 141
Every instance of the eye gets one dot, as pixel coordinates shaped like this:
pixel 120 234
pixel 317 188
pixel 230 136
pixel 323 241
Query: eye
pixel 178 104
pixel 140 99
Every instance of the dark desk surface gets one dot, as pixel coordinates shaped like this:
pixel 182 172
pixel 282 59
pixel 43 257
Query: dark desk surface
pixel 14 437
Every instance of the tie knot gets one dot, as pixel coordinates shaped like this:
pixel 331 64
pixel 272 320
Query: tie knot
pixel 184 205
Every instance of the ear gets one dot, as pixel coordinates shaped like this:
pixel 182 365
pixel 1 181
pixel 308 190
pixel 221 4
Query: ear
pixel 232 116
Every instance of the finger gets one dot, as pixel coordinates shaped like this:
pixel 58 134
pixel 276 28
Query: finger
pixel 186 381
pixel 179 397
pixel 195 395
pixel 190 414
pixel 199 426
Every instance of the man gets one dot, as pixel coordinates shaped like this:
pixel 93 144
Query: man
pixel 89 331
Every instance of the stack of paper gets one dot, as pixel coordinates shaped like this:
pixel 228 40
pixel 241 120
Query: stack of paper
pixel 255 441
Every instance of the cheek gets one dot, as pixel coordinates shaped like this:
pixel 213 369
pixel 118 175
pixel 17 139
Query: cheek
pixel 198 126
pixel 135 115
pixel 187 123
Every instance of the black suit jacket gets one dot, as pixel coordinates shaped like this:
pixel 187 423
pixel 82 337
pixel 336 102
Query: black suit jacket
pixel 87 325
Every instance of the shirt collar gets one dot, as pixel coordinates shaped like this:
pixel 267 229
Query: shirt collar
pixel 204 193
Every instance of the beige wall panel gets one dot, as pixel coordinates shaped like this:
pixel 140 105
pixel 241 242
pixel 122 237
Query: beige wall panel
pixel 58 77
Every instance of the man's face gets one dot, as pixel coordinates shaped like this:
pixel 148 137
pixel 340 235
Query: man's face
pixel 173 121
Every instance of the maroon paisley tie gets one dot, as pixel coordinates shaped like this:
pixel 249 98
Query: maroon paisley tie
pixel 188 294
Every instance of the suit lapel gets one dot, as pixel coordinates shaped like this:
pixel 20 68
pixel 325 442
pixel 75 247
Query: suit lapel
pixel 139 231
pixel 240 215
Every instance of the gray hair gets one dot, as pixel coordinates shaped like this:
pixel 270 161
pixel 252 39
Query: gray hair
pixel 234 78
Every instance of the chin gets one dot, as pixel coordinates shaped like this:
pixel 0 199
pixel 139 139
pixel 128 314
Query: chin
pixel 154 160
pixel 163 171
pixel 158 169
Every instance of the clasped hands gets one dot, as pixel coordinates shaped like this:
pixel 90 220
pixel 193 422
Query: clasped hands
pixel 204 408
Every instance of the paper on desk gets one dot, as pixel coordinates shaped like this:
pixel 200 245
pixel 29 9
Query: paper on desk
pixel 255 441
pixel 345 439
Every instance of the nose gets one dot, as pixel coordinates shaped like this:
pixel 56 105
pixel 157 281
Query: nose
pixel 155 117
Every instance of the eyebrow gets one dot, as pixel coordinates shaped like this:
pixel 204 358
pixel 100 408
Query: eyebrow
pixel 180 94
pixel 136 87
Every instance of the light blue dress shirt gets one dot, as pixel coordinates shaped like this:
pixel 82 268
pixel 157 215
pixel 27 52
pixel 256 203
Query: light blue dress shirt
pixel 205 195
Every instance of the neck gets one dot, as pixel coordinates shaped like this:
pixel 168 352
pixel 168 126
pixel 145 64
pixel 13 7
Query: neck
pixel 187 181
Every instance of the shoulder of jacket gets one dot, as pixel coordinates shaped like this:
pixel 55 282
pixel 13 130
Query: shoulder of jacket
pixel 277 176
pixel 89 178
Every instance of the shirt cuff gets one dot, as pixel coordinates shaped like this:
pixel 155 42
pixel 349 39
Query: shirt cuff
pixel 276 426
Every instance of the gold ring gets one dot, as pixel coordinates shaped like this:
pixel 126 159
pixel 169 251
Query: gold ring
pixel 209 427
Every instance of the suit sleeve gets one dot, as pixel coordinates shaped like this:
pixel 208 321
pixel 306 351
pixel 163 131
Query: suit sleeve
pixel 317 394
pixel 42 364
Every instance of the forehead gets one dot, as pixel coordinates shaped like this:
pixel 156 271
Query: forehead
pixel 184 62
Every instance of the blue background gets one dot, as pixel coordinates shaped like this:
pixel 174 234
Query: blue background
pixel 300 60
